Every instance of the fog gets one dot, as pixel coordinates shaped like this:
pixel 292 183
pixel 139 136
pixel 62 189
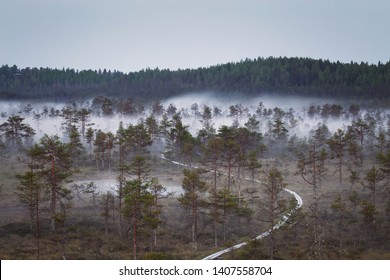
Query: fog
pixel 45 124
pixel 299 105
pixel 224 101
pixel 294 110
pixel 111 185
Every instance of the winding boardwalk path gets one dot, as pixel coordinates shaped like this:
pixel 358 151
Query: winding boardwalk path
pixel 281 222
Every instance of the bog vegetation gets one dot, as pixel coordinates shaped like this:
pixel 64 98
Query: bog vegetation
pixel 116 178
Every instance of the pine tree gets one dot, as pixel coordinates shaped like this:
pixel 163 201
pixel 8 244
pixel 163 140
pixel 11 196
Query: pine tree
pixel 369 214
pixel 381 139
pixel 75 145
pixel 56 168
pixel 2 148
pixel 226 202
pixel 33 193
pixel 206 120
pixel 194 189
pixel 220 202
pixel 107 202
pixel 278 130
pixel 109 145
pixel 138 138
pixel 89 137
pixel 83 116
pixel 92 189
pixel 372 182
pixel 122 170
pixel 360 130
pixel 311 167
pixel 137 200
pixel 70 116
pixel 165 126
pixel 273 204
pixel 140 168
pixel 253 165
pixel 178 135
pixel 337 144
pixel 213 153
pixel 230 150
pixel 15 130
pixel 158 192
pixel 157 108
pixel 152 127
pixel 339 207
pixel 100 150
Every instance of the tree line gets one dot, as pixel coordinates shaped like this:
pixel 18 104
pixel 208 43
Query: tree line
pixel 312 77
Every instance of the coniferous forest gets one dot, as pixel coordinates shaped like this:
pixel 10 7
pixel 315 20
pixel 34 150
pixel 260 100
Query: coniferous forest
pixel 289 155
pixel 304 76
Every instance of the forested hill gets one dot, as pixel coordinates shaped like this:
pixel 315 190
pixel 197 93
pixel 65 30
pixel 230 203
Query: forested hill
pixel 282 75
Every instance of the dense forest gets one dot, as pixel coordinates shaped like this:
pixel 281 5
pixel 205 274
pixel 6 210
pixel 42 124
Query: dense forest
pixel 303 76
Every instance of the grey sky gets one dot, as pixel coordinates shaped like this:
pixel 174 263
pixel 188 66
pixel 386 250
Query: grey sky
pixel 129 35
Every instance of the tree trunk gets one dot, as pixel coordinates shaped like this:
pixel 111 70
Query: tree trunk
pixel 53 204
pixel 135 235
pixel 229 173
pixel 38 230
pixel 194 225
pixel 340 172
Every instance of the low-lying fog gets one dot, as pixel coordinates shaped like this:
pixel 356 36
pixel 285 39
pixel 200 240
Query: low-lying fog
pixel 45 118
pixel 111 185
pixel 224 101
pixel 296 118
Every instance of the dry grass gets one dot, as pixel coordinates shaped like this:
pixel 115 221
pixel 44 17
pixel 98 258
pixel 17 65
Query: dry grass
pixel 85 237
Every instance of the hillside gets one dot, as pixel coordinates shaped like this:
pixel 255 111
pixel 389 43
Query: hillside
pixel 303 76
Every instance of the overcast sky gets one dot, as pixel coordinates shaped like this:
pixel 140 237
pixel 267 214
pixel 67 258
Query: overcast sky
pixel 129 35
